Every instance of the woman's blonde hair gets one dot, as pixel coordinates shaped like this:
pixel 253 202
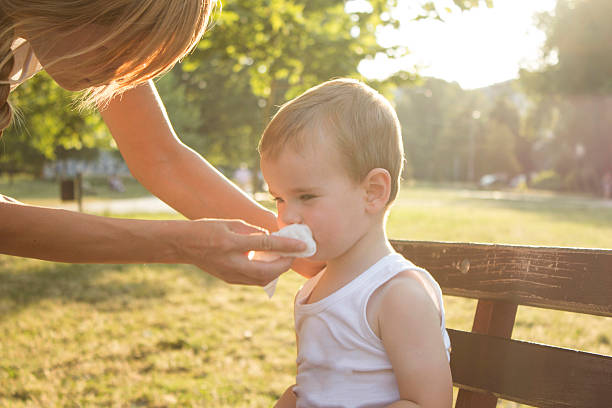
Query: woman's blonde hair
pixel 145 38
pixel 358 120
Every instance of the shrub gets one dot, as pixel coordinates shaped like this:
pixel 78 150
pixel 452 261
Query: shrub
pixel 547 180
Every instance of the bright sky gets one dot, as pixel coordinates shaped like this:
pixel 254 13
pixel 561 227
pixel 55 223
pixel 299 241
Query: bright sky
pixel 476 48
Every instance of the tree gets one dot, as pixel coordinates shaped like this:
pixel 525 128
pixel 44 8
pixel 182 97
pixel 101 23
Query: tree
pixel 17 154
pixel 507 117
pixel 574 83
pixel 46 127
pixel 496 150
pixel 577 55
pixel 424 112
pixel 442 126
pixel 260 53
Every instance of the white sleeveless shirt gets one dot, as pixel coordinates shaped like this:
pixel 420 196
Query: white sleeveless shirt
pixel 341 362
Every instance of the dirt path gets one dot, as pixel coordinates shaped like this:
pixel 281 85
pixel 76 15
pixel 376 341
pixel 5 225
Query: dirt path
pixel 148 205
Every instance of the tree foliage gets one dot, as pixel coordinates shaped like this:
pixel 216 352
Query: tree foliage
pixel 47 128
pixel 260 53
pixel 451 134
pixel 257 55
pixel 572 92
pixel 577 55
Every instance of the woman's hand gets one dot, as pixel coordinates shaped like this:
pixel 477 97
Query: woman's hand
pixel 220 248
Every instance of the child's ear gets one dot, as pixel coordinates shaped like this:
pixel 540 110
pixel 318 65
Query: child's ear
pixel 377 186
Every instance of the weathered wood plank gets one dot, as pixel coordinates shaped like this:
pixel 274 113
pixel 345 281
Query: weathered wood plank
pixel 572 279
pixel 530 373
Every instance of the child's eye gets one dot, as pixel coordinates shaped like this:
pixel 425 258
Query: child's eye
pixel 278 200
pixel 306 197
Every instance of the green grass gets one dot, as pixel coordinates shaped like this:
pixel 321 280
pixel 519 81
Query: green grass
pixel 28 189
pixel 136 335
pixel 428 213
pixel 169 335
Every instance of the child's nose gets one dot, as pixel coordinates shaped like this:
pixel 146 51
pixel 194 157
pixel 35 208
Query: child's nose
pixel 291 216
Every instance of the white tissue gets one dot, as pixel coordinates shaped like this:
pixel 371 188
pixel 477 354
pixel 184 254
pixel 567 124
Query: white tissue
pixel 300 232
pixel 295 231
pixel 270 288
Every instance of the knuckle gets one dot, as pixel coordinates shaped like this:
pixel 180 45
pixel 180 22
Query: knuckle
pixel 226 244
pixel 266 242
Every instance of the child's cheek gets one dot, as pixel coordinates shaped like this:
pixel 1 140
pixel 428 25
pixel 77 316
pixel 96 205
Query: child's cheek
pixel 320 236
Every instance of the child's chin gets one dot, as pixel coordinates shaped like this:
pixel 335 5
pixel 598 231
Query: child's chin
pixel 316 257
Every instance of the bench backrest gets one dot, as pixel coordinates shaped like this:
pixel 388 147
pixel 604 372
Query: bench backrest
pixel 485 363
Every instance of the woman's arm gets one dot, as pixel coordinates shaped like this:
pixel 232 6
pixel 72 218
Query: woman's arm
pixel 409 327
pixel 219 247
pixel 169 169
pixel 175 173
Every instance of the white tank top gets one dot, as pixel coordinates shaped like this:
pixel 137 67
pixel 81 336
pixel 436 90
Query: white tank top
pixel 341 362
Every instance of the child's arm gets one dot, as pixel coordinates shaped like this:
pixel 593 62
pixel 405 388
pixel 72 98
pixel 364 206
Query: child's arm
pixel 287 400
pixel 409 327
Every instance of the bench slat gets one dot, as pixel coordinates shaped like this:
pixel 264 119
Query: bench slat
pixel 530 373
pixel 571 279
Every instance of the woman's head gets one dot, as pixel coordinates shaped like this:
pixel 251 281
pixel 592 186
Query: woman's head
pixel 105 46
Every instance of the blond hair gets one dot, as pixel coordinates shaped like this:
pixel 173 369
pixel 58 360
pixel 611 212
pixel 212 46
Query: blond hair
pixel 361 122
pixel 145 38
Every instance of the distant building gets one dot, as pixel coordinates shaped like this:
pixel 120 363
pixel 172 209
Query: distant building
pixel 106 164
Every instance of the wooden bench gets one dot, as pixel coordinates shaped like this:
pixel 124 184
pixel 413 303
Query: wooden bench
pixel 485 363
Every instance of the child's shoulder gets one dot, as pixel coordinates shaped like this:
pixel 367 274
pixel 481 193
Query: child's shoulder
pixel 408 290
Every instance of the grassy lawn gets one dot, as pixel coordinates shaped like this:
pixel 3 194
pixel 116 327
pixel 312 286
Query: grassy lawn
pixel 27 189
pixel 168 335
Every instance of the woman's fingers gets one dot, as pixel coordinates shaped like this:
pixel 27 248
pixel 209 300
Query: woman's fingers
pixel 265 272
pixel 220 247
pixel 252 238
pixel 270 243
pixel 236 268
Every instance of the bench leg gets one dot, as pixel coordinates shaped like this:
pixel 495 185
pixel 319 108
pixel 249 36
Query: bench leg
pixel 496 319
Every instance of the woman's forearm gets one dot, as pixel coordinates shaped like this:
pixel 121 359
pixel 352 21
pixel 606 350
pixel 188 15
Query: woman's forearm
pixel 67 236
pixel 169 169
pixel 218 247
pixel 203 191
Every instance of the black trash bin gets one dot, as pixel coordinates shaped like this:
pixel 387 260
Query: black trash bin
pixel 67 192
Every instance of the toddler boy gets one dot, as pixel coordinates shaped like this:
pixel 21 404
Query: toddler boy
pixel 370 327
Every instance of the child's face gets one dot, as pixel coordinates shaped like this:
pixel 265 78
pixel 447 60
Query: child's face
pixel 313 188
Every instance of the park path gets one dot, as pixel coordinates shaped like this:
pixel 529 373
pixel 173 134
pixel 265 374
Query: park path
pixel 129 205
pixel 153 205
pixel 541 197
pixel 142 205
